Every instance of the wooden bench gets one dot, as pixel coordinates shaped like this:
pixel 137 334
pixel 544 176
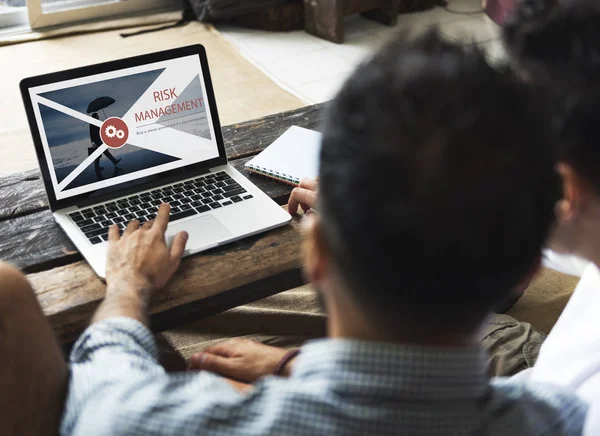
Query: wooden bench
pixel 206 284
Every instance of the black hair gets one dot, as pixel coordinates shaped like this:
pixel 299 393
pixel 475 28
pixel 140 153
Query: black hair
pixel 558 46
pixel 556 43
pixel 434 183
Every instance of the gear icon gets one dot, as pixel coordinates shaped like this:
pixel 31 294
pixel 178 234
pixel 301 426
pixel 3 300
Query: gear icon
pixel 111 131
pixel 120 133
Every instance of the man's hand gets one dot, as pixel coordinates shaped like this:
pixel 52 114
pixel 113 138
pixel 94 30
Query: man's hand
pixel 241 359
pixel 305 196
pixel 137 265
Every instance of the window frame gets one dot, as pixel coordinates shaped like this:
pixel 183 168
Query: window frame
pixel 86 10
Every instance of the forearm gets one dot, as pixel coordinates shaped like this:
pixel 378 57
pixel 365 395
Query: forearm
pixel 125 299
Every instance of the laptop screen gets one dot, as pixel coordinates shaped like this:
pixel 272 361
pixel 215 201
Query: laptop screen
pixel 120 128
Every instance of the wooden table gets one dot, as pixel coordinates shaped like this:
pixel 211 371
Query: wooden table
pixel 208 283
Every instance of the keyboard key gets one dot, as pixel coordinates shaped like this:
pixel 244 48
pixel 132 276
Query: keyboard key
pixel 97 232
pixel 235 199
pixel 175 203
pixel 246 197
pixel 175 209
pixel 202 209
pixel 106 223
pixel 111 215
pixel 95 240
pixel 209 187
pixel 234 192
pixel 178 190
pixel 230 181
pixel 133 208
pixel 221 176
pixel 218 197
pixel 196 197
pixel 128 217
pixel 135 202
pixel 206 195
pixel 91 227
pixel 145 205
pixel 215 205
pixel 112 208
pixel 220 184
pixel 121 201
pixel 118 219
pixel 181 215
pixel 76 216
pixel 178 185
pixel 226 203
pixel 207 200
pixel 217 191
pixel 111 204
pixel 185 207
pixel 88 214
pixel 85 222
pixel 231 187
pixel 177 196
pixel 167 199
pixel 105 237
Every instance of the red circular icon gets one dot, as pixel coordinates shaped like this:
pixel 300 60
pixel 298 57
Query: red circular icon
pixel 114 132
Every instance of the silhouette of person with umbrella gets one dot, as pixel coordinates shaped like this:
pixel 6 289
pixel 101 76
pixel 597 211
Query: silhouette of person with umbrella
pixel 97 142
pixel 99 104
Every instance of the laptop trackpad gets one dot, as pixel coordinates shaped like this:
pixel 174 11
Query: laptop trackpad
pixel 203 230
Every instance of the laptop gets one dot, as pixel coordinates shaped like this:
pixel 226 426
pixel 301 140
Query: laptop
pixel 115 140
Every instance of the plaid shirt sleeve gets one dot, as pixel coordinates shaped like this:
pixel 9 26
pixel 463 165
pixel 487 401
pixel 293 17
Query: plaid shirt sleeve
pixel 118 387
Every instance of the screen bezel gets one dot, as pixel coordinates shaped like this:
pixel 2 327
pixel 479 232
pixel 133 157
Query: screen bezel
pixel 107 193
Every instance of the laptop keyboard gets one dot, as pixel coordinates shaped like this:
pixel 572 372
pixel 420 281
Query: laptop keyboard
pixel 188 198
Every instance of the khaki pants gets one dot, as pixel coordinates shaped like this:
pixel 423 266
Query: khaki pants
pixel 290 318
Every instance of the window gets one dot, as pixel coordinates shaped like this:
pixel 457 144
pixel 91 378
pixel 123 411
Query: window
pixel 47 13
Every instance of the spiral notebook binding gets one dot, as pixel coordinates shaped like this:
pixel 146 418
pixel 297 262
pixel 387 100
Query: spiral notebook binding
pixel 285 178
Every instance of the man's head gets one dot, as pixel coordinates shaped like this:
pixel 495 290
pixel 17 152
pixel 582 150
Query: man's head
pixel 558 47
pixel 434 185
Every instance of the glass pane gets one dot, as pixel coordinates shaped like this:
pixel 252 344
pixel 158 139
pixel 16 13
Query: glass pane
pixel 12 13
pixel 6 4
pixel 65 5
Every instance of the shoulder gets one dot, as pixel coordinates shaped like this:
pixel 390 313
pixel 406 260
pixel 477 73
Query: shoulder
pixel 542 407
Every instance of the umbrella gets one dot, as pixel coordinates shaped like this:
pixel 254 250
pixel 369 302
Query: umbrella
pixel 99 104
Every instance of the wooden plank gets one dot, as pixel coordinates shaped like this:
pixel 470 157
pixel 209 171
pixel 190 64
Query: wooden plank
pixel 24 193
pixel 34 242
pixel 205 284
pixel 21 193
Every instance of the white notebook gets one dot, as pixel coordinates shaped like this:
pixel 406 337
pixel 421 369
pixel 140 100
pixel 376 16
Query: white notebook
pixel 292 157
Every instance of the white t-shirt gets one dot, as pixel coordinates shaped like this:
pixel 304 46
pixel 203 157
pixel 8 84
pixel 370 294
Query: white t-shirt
pixel 570 355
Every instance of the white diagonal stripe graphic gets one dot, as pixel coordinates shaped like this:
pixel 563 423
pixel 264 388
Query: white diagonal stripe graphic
pixel 68 111
pixel 82 166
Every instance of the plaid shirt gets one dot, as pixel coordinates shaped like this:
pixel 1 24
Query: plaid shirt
pixel 338 387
